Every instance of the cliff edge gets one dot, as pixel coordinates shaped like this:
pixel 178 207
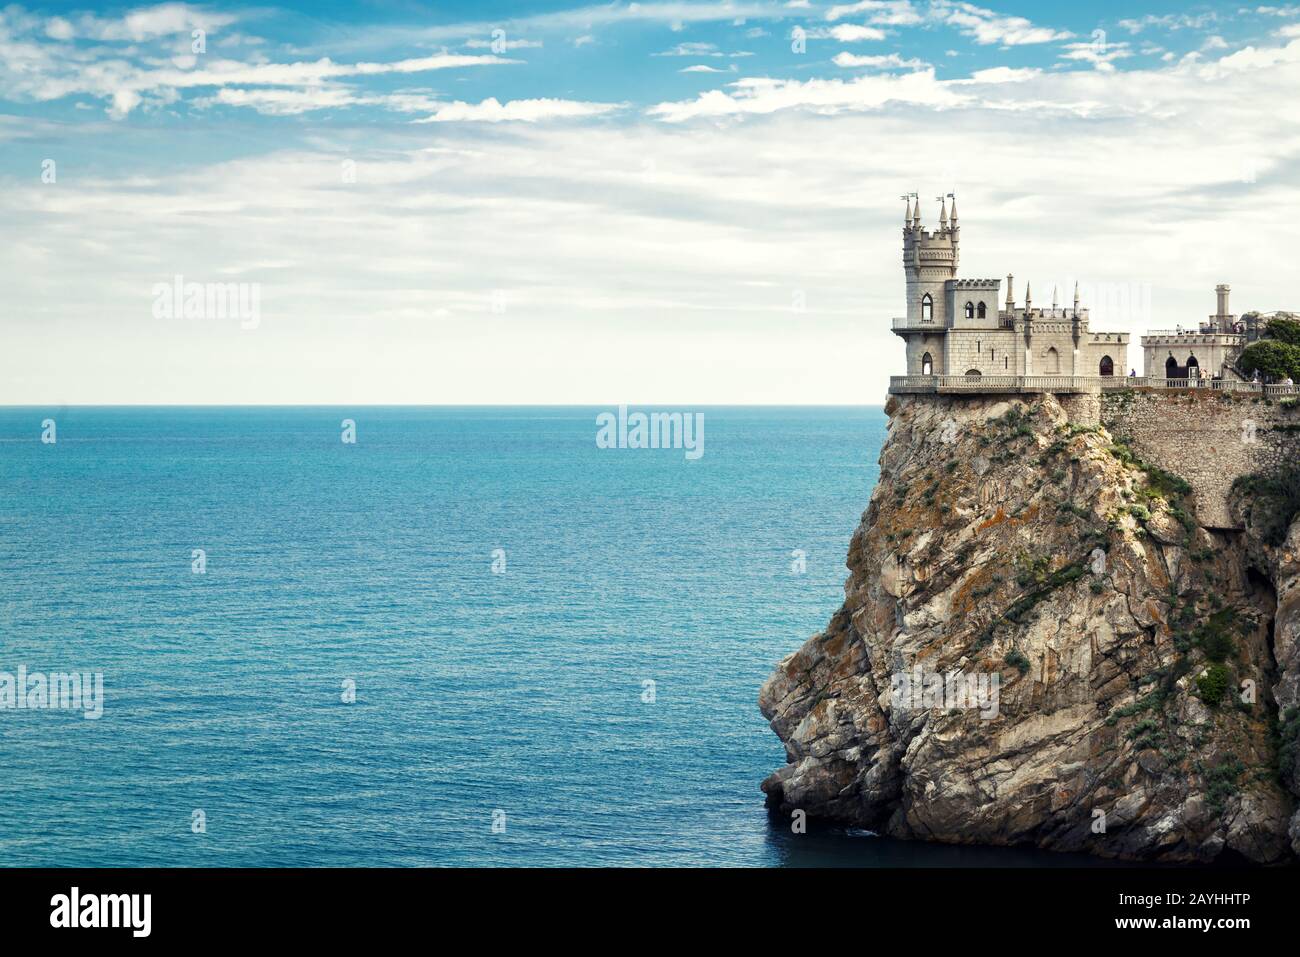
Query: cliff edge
pixel 1040 644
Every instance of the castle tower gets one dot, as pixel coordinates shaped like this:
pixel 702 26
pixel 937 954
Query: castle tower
pixel 1223 318
pixel 929 260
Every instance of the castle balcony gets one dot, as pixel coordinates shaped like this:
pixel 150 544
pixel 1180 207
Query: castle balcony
pixel 904 324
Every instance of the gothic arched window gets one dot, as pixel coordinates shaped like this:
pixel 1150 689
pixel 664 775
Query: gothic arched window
pixel 927 308
pixel 980 311
pixel 970 310
pixel 927 365
pixel 1107 365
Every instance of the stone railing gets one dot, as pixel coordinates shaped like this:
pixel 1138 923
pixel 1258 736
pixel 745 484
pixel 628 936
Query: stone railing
pixel 1194 337
pixel 1061 384
pixel 928 325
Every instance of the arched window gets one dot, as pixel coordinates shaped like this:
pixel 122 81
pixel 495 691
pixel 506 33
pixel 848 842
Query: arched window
pixel 970 310
pixel 980 310
pixel 1192 364
pixel 927 365
pixel 1107 365
pixel 1171 367
pixel 927 308
pixel 1053 361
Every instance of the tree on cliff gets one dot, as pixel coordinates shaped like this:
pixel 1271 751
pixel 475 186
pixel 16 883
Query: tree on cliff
pixel 1284 329
pixel 1274 358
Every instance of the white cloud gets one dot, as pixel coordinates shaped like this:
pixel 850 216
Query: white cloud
pixel 1168 21
pixel 885 61
pixel 883 12
pixel 528 111
pixel 764 95
pixel 699 49
pixel 283 102
pixel 1004 74
pixel 851 33
pixel 502 44
pixel 1100 54
pixel 1158 92
pixel 987 27
pixel 58 28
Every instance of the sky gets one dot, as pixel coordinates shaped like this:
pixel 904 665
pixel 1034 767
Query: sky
pixel 645 203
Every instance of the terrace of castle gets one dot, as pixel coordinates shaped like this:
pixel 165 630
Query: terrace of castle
pixel 1066 384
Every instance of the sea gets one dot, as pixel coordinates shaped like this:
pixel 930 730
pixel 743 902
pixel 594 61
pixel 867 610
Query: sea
pixel 418 636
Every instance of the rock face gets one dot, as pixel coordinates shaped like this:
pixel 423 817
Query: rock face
pixel 1277 557
pixel 1126 654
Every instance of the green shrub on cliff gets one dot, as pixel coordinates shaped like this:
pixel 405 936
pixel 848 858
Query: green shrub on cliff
pixel 1275 499
pixel 1213 685
pixel 1215 635
pixel 1017 660
pixel 1221 781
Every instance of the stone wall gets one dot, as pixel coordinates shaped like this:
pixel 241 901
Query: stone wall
pixel 1208 438
pixel 985 349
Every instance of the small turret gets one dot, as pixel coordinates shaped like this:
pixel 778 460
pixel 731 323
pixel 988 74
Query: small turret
pixel 1011 299
pixel 943 212
pixel 1076 297
pixel 952 217
pixel 1028 298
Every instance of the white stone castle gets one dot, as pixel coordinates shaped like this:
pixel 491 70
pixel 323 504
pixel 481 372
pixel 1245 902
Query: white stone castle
pixel 959 327
pixel 960 338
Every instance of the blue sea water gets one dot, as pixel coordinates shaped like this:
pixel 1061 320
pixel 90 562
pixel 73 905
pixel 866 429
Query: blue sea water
pixel 476 692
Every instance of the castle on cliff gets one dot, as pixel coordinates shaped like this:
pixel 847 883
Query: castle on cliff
pixel 960 335
pixel 961 327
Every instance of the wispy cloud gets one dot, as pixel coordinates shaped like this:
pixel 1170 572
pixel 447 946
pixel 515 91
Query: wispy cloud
pixel 987 27
pixel 527 111
pixel 884 61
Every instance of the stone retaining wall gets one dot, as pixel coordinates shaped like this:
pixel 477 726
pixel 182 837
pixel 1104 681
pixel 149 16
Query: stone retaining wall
pixel 1207 438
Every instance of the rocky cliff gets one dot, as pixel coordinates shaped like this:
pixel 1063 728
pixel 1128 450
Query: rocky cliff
pixel 1136 659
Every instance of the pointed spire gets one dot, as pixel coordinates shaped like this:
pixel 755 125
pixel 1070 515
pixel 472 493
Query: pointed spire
pixel 952 216
pixel 1054 303
pixel 1028 298
pixel 907 211
pixel 943 212
pixel 916 212
pixel 1076 297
